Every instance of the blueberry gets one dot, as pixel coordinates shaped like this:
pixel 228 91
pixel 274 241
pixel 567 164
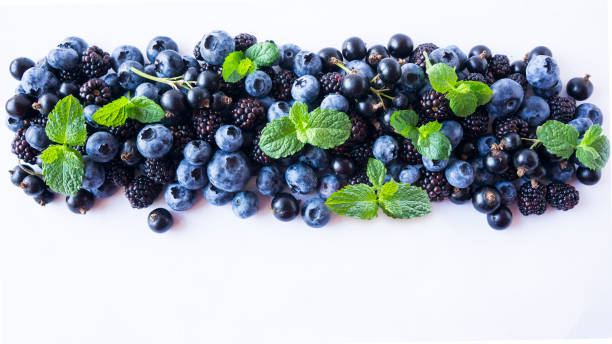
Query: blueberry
pixel 216 196
pixel 19 65
pixel 102 146
pixel 562 171
pixel 278 110
pixel 548 93
pixel 154 141
pixel 581 124
pixel 159 44
pixel 507 98
pixel 394 168
pixel 542 71
pixel 460 55
pixel 229 138
pixel 590 111
pixel 301 178
pixel 192 177
pixel 63 58
pixel 508 192
pixel 128 79
pixel 446 56
pixel 361 67
pixel 75 43
pixel 178 197
pixel 37 81
pixel 330 183
pixel 316 158
pixel 410 174
pixel 160 220
pixel 335 102
pixel 258 84
pixel 215 46
pixel 434 165
pixel 535 111
pixel 88 113
pixel 191 65
pixel 412 79
pixel 385 149
pixel 500 219
pixel 315 213
pixel 107 189
pixel 112 80
pixel 228 171
pixel 149 90
pixel 453 131
pixel 305 89
pixel 125 53
pixel 459 174
pixel 93 173
pixel 36 137
pixel 197 152
pixel 486 199
pixel 169 63
pixel 269 181
pixel 285 207
pixel 484 144
pixel 129 153
pixel 245 204
pixel 307 63
pixel 14 123
pixel 287 55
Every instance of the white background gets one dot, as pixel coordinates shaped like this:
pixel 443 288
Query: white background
pixel 106 278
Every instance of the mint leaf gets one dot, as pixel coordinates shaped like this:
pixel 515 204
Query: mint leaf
pixel 299 116
pixel 231 64
pixel 63 169
pixel 355 201
pixel 406 202
pixel 327 128
pixel 246 66
pixel 376 172
pixel 594 148
pixel 144 110
pixel 279 139
pixel 462 100
pixel 434 146
pixel 263 53
pixel 388 189
pixel 559 138
pixel 66 123
pixel 112 114
pixel 591 135
pixel 442 77
pixel 404 122
pixel 482 91
pixel 430 127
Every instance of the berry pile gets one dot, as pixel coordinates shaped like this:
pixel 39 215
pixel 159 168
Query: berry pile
pixel 215 110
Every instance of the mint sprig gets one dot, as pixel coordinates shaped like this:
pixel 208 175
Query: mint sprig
pixel 464 96
pixel 140 108
pixel 323 128
pixel 397 200
pixel 239 64
pixel 427 139
pixel 62 164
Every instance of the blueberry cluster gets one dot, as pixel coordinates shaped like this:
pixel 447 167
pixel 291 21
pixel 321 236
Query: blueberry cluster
pixel 208 141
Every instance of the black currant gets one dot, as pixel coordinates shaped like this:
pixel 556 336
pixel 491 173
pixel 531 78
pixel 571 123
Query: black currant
pixel 500 219
pixel 32 185
pixel 389 70
pixel 46 197
pixel 173 101
pixel 511 142
pixel 477 64
pixel 401 101
pixel 19 106
pixel 580 88
pixel 17 175
pixel 518 67
pixel 478 50
pixel 208 80
pixel 285 207
pixel 400 46
pixel 129 153
pixel 525 160
pixel 343 166
pixel 328 55
pixel 19 65
pixel 497 161
pixel 486 199
pixel 198 98
pixel 466 150
pixel 354 49
pixel 160 220
pixel 540 50
pixel 220 102
pixel 67 88
pixel 375 54
pixel 81 202
pixel 368 106
pixel 191 74
pixel 354 85
pixel 587 176
pixel 45 103
pixel 460 196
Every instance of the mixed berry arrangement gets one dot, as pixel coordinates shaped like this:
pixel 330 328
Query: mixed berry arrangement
pixel 346 131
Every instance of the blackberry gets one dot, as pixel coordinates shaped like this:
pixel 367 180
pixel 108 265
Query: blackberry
pixel 244 40
pixel 562 196
pixel 142 192
pixel 476 77
pixel 359 130
pixel 562 109
pixel 532 198
pixel 510 124
pixel 417 56
pixel 118 172
pixel 232 89
pixel 196 52
pixel 361 153
pixel 248 112
pixel 490 78
pixel 80 148
pixel 330 83
pixel 75 75
pixel 282 83
pixel 435 106
pixel 206 122
pixel 409 153
pixel 162 171
pixel 95 91
pixel 257 154
pixel 37 119
pixel 499 65
pixel 435 184
pixel 520 78
pixel 359 178
pixel 22 149
pixel 127 130
pixel 182 134
pixel 95 62
pixel 476 125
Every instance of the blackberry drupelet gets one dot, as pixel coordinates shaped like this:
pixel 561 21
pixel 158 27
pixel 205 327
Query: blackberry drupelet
pixel 118 172
pixel 182 134
pixel 232 89
pixel 520 78
pixel 562 196
pixel 95 62
pixel 499 65
pixel 532 198
pixel 75 75
pixel 330 83
pixel 142 192
pixel 359 178
pixel 510 124
pixel 359 129
pixel 361 153
pixel 409 153
pixel 477 77
pixel 22 149
pixel 257 154
pixel 281 84
pixel 127 130
pixel 37 119
pixel 435 106
pixel 435 184
pixel 244 40
pixel 196 52
pixel 417 56
pixel 162 171
pixel 206 122
pixel 477 124
pixel 248 113
pixel 562 109
pixel 95 91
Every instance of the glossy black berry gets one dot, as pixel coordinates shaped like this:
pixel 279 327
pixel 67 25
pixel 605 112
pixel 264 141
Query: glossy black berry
pixel 343 166
pixel 477 64
pixel 400 46
pixel 173 101
pixel 460 196
pixel 580 88
pixel 354 85
pixel 81 202
pixel 389 70
pixel 500 219
pixel 160 220
pixel 32 185
pixel 198 98
pixel 208 80
pixel 46 197
pixel 511 142
pixel 368 106
pixel 466 150
pixel 525 160
pixel 518 67
pixel 587 176
pixel 17 175
pixel 354 49
pixel 539 50
pixel 67 88
pixel 19 106
pixel 497 161
pixel 45 103
pixel 19 65
pixel 285 207
pixel 327 55
pixel 478 50
pixel 486 199
pixel 376 53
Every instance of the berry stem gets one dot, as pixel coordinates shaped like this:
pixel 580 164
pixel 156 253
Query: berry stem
pixel 174 82
pixel 27 169
pixel 341 65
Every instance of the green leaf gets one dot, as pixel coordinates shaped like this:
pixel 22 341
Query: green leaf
pixel 66 123
pixel 263 53
pixel 388 189
pixel 355 201
pixel 245 67
pixel 144 110
pixel 279 139
pixel 559 138
pixel 234 69
pixel 112 114
pixel 63 169
pixel 442 77
pixel 591 134
pixel 482 91
pixel 406 202
pixel 327 128
pixel 404 122
pixel 376 172
pixel 462 100
pixel 299 116
pixel 594 148
pixel 434 146
pixel 430 127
